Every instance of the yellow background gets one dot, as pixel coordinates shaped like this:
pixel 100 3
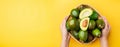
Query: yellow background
pixel 36 23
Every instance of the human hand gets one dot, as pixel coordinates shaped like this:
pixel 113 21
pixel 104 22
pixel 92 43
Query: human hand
pixel 65 34
pixel 63 28
pixel 106 30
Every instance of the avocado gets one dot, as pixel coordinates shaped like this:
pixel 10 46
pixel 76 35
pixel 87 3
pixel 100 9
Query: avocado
pixel 75 34
pixel 90 37
pixel 83 35
pixel 94 16
pixel 96 32
pixel 85 13
pixel 75 13
pixel 67 23
pixel 91 25
pixel 100 23
pixel 77 28
pixel 72 23
pixel 84 23
pixel 67 26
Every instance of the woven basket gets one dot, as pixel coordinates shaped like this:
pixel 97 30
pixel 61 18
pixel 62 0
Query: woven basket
pixel 99 17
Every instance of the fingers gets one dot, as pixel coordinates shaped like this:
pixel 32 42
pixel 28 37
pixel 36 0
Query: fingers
pixel 63 28
pixel 106 23
pixel 107 26
pixel 64 22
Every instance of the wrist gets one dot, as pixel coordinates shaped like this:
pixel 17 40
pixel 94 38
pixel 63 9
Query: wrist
pixel 103 41
pixel 64 37
pixel 65 41
pixel 103 37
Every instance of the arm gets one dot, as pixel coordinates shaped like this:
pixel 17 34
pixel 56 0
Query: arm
pixel 104 42
pixel 105 32
pixel 65 42
pixel 65 34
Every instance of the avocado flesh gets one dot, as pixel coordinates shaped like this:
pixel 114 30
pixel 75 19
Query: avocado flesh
pixel 85 13
pixel 84 23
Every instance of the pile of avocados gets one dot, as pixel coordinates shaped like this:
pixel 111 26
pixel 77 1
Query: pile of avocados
pixel 85 24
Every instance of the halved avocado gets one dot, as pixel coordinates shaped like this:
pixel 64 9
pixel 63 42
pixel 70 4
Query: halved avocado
pixel 85 13
pixel 84 23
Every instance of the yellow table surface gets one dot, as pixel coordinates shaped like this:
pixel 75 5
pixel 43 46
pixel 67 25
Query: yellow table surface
pixel 36 23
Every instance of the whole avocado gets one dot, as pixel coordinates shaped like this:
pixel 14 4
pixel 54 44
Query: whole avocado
pixel 72 24
pixel 91 25
pixel 96 32
pixel 94 16
pixel 100 23
pixel 75 13
pixel 75 34
pixel 83 35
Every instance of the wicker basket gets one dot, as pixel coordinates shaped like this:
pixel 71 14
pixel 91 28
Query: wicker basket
pixel 99 17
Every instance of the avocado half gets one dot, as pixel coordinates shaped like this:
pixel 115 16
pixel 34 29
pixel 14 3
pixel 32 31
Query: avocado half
pixel 85 13
pixel 84 23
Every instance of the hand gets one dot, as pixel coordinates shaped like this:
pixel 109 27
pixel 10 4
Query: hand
pixel 105 32
pixel 65 34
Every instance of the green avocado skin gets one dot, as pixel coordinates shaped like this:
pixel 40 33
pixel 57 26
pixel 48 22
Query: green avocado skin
pixel 94 16
pixel 96 32
pixel 75 34
pixel 91 25
pixel 100 23
pixel 83 35
pixel 75 13
pixel 73 24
